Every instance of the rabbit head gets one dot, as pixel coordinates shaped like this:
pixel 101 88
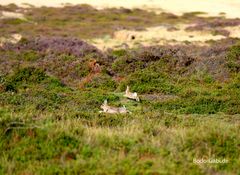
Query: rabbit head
pixel 104 105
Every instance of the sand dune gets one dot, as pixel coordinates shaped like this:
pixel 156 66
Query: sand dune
pixel 212 7
pixel 156 36
pixel 9 15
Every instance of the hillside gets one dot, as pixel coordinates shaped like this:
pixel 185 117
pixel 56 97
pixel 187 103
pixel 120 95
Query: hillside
pixel 55 78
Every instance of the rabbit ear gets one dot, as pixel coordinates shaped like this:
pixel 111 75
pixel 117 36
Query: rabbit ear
pixel 105 102
pixel 124 106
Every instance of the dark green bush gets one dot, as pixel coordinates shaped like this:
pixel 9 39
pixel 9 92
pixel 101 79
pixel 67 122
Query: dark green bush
pixel 102 81
pixel 30 55
pixel 233 57
pixel 118 53
pixel 204 105
pixel 67 141
pixel 25 76
pixel 147 81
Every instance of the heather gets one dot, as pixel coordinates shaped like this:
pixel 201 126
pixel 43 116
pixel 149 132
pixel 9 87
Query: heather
pixel 52 87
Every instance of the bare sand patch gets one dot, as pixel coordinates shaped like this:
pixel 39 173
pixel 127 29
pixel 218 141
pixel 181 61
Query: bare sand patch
pixel 155 36
pixel 11 15
pixel 160 35
pixel 234 31
pixel 14 38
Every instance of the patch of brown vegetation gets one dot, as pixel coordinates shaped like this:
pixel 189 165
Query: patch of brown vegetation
pixel 214 25
pixel 95 69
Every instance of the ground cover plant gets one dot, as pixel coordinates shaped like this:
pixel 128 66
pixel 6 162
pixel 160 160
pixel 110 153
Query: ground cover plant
pixel 51 89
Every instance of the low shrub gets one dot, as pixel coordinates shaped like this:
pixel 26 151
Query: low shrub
pixel 233 57
pixel 24 76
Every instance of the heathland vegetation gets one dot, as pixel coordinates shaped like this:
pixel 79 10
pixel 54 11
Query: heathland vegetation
pixel 52 87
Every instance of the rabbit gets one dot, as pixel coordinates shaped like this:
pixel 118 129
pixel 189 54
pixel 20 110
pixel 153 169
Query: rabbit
pixel 131 95
pixel 113 110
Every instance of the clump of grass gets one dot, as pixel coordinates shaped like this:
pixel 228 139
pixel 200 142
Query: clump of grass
pixel 118 53
pixel 209 98
pixel 233 57
pixel 30 55
pixel 23 76
pixel 147 81
pixel 13 21
pixel 102 81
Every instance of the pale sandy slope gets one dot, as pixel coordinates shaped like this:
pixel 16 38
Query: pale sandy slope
pixel 158 36
pixel 212 7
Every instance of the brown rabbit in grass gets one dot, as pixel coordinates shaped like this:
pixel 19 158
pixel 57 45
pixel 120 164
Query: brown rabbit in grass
pixel 113 110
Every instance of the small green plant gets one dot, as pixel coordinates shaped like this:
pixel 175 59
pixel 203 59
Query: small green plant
pixel 119 53
pixel 13 21
pixel 30 55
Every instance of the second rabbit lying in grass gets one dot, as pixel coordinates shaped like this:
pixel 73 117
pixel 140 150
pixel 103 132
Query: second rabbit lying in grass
pixel 113 110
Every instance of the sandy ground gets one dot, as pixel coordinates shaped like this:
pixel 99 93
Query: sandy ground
pixel 158 36
pixel 212 7
pixel 9 15
pixel 14 38
pixel 234 31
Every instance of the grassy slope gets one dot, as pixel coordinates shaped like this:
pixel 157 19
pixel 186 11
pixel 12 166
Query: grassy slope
pixel 48 125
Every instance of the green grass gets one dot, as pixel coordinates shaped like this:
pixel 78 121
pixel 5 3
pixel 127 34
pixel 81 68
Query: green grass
pixel 150 143
pixel 49 128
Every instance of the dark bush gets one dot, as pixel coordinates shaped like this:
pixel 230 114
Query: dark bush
pixel 56 45
pixel 102 81
pixel 233 58
pixel 25 76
